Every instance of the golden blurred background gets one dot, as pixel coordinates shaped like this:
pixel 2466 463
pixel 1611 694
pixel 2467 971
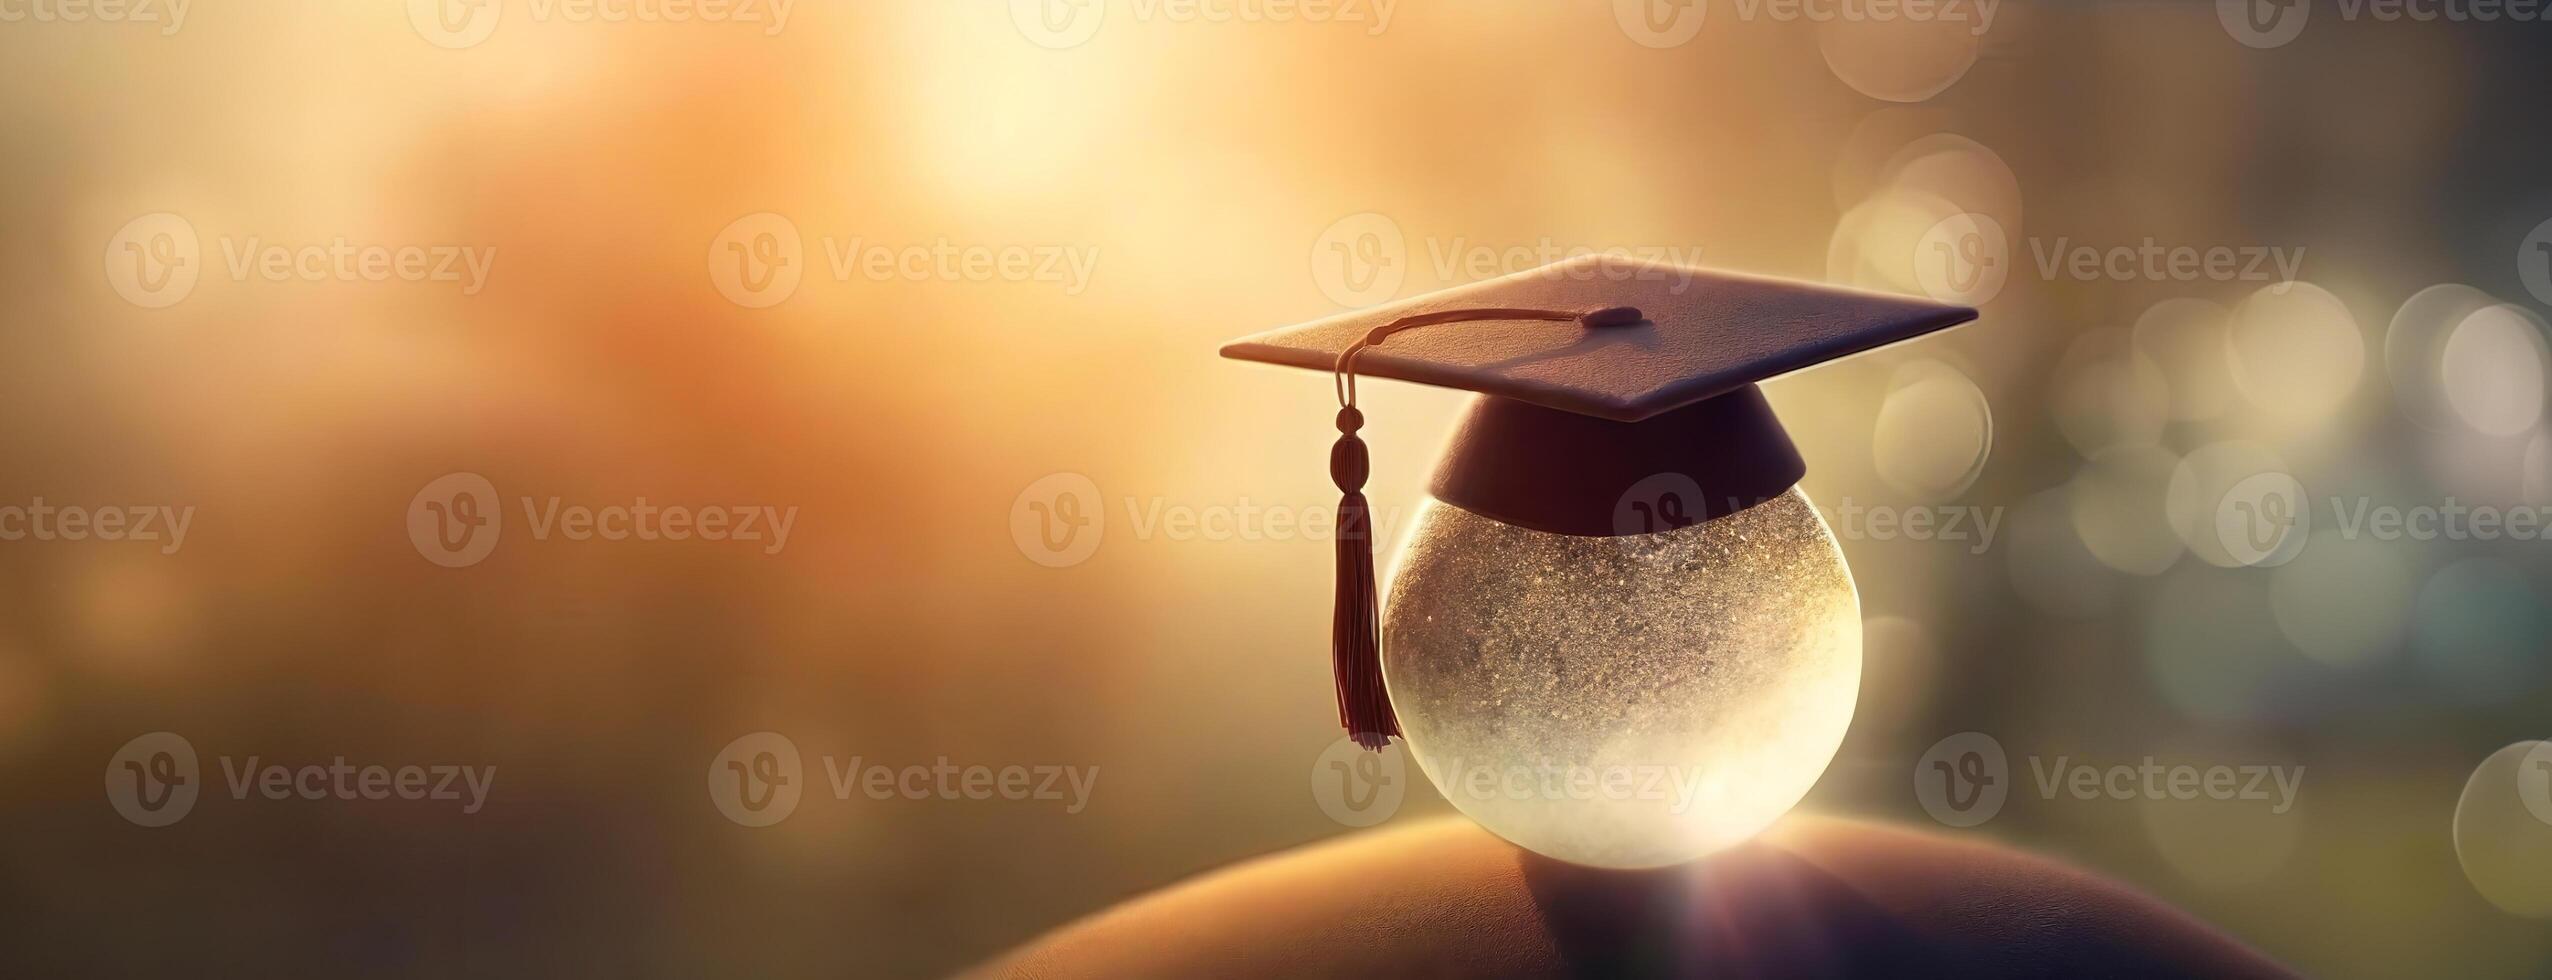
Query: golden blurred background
pixel 1007 239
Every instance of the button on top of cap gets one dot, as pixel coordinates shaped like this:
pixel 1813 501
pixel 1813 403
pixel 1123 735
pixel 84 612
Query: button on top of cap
pixel 1614 316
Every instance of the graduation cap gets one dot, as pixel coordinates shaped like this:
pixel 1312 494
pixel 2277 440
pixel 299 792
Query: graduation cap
pixel 1598 373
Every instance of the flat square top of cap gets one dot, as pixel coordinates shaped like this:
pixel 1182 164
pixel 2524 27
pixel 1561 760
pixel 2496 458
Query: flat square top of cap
pixel 1706 333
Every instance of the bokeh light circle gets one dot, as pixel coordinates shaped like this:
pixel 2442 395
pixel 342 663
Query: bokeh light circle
pixel 1961 171
pixel 1935 432
pixel 2534 262
pixel 2227 515
pixel 1877 243
pixel 2107 393
pixel 2050 567
pixel 1865 161
pixel 2296 350
pixel 2119 510
pixel 1899 59
pixel 2494 366
pixel 2415 344
pixel 2191 341
pixel 2538 469
pixel 2503 829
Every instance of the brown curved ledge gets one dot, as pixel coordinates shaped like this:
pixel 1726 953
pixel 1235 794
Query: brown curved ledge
pixel 1814 897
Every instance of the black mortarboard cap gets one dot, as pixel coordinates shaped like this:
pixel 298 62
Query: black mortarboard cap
pixel 1600 373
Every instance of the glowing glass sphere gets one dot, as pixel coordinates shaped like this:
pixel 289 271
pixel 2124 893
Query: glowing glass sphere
pixel 1624 702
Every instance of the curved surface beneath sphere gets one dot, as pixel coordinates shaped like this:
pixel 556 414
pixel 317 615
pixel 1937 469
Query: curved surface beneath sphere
pixel 1813 897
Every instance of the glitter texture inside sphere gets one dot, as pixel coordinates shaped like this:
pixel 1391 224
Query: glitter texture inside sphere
pixel 1624 702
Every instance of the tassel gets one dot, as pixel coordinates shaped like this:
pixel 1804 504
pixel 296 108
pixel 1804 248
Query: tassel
pixel 1355 640
pixel 1355 637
